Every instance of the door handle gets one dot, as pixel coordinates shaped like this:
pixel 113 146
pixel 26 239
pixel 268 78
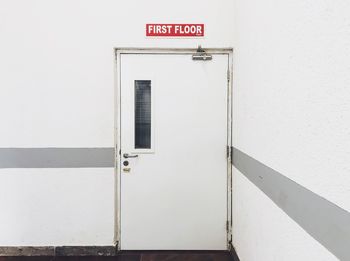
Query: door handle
pixel 126 155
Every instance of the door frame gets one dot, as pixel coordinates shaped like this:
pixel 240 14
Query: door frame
pixel 117 126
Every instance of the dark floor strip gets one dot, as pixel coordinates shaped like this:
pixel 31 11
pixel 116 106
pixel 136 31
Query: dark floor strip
pixel 133 256
pixel 109 253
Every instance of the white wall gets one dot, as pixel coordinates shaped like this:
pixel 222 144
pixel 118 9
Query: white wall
pixel 57 89
pixel 291 112
pixel 291 109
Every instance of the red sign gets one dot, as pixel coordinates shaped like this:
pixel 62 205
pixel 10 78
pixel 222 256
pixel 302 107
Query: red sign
pixel 181 30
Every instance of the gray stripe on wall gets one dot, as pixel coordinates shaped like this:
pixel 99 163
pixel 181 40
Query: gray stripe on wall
pixel 56 157
pixel 323 220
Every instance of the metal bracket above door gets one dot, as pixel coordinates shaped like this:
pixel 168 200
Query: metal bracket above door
pixel 201 55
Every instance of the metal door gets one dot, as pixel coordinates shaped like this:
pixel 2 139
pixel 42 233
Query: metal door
pixel 173 164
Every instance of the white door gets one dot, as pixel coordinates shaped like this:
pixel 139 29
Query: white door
pixel 173 120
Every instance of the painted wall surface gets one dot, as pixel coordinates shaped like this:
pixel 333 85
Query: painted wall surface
pixel 57 90
pixel 291 112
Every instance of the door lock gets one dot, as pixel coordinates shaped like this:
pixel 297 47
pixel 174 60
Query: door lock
pixel 126 155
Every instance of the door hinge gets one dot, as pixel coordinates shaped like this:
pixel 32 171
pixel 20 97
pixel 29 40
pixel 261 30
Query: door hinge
pixel 227 226
pixel 229 152
pixel 228 75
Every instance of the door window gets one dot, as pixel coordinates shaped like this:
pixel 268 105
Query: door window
pixel 143 114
